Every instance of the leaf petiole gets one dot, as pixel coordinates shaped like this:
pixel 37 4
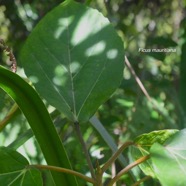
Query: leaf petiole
pixel 59 169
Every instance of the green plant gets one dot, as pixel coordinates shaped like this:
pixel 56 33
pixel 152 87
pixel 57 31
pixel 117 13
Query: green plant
pixel 74 58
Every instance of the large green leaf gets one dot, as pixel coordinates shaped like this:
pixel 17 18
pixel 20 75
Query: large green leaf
pixel 169 160
pixel 13 169
pixel 74 57
pixel 143 145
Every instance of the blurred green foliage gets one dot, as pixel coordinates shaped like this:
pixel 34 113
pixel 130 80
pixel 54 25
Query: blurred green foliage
pixel 153 24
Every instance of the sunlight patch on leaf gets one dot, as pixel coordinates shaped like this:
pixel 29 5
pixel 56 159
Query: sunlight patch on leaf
pixel 96 49
pixel 84 28
pixel 62 25
pixel 111 54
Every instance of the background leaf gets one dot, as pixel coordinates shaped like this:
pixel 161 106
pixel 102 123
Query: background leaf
pixel 11 160
pixel 22 178
pixel 159 136
pixel 13 172
pixel 75 59
pixel 169 160
pixel 143 145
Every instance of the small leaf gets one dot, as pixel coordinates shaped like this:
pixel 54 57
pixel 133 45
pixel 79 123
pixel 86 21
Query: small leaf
pixel 11 160
pixel 13 169
pixel 74 57
pixel 143 145
pixel 169 160
pixel 159 136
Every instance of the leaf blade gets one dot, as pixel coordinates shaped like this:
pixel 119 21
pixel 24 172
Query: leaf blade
pixel 75 54
pixel 143 144
pixel 173 152
pixel 13 172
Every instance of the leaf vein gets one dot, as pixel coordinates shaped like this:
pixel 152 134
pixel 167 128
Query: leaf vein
pixel 55 88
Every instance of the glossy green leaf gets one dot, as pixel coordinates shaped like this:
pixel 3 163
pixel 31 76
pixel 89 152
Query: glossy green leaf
pixel 169 160
pixel 74 57
pixel 143 145
pixel 40 122
pixel 13 169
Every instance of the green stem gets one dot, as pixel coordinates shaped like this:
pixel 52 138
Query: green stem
pixel 68 171
pixel 115 155
pixel 85 150
pixel 21 139
pixel 126 169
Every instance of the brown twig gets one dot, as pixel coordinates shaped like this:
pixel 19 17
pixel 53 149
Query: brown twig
pixel 127 168
pixel 154 104
pixel 137 79
pixel 115 155
pixel 9 54
pixel 59 169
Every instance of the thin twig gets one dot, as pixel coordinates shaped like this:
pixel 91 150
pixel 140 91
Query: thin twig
pixel 9 54
pixel 113 171
pixel 115 155
pixel 85 150
pixel 126 169
pixel 154 104
pixel 59 169
pixel 137 79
